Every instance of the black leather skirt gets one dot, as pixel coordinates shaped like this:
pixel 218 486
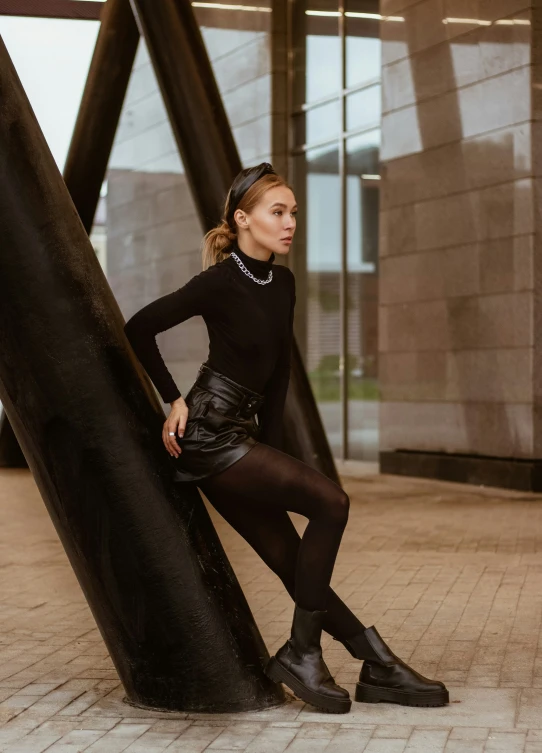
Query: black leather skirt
pixel 221 425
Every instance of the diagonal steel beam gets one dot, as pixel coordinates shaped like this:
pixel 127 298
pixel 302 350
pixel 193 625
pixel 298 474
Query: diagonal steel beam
pixel 168 605
pixel 211 161
pixel 87 11
pixel 93 137
pixel 101 107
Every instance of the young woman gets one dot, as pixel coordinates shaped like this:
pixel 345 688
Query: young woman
pixel 247 303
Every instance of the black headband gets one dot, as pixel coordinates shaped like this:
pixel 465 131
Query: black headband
pixel 243 181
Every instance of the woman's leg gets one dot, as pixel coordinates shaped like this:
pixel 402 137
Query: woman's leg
pixel 266 483
pixel 269 479
pixel 259 514
pixel 273 536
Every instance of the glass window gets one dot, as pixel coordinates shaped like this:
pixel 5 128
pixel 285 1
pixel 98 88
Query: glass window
pixel 319 124
pixel 364 109
pixel 362 53
pixel 321 180
pixel 362 192
pixel 52 57
pixel 320 279
pixel 323 51
pixel 362 41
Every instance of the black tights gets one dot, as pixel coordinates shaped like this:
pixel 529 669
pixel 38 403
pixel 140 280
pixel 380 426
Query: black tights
pixel 254 495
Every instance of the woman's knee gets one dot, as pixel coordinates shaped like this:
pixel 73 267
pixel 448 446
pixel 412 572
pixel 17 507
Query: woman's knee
pixel 338 508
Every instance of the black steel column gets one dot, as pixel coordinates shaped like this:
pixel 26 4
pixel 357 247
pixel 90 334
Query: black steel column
pixel 143 548
pixel 92 140
pixel 101 106
pixel 211 161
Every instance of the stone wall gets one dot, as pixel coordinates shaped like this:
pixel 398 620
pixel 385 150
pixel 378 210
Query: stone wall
pixel 457 346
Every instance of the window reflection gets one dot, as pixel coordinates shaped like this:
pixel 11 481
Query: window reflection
pixel 362 52
pixel 362 190
pixel 322 46
pixel 319 124
pixel 323 53
pixel 323 232
pixel 363 109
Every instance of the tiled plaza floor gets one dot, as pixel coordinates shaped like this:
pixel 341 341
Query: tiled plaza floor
pixel 451 575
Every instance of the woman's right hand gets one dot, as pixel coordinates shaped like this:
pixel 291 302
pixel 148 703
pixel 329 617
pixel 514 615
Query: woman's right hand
pixel 175 422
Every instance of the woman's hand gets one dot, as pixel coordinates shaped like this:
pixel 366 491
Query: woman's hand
pixel 175 422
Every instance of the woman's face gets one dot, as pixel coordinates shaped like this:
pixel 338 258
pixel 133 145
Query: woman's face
pixel 271 224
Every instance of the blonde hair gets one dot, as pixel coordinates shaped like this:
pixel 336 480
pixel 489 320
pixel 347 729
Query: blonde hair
pixel 216 242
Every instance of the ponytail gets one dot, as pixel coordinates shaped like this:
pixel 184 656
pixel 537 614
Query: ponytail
pixel 215 243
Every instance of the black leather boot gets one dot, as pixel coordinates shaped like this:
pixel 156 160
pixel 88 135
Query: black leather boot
pixel 385 677
pixel 300 666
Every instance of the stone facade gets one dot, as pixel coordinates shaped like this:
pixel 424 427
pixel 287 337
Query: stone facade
pixel 458 356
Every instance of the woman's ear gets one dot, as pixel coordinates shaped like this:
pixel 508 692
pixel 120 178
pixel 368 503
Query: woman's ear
pixel 241 218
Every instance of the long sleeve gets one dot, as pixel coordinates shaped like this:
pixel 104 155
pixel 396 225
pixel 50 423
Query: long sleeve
pixel 271 414
pixel 195 297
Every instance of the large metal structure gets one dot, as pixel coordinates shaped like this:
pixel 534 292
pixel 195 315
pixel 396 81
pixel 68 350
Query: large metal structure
pixel 165 591
pixel 208 150
pixel 143 548
pixel 92 140
pixel 100 109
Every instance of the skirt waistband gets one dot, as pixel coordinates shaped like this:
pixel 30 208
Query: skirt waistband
pixel 246 400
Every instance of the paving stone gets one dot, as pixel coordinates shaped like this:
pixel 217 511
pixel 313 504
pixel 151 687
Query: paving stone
pixel 401 733
pixel 118 738
pixel 530 709
pixel 75 741
pixel 152 741
pixel 451 575
pixel 308 745
pixel 237 736
pixel 385 745
pixel 41 738
pixel 349 739
pixel 195 739
pixel 427 741
pixel 272 740
pixel 469 733
pixel 464 746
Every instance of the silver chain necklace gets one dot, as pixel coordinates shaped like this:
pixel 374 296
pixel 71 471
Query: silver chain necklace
pixel 249 273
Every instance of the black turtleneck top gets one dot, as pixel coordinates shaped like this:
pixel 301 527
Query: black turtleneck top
pixel 250 330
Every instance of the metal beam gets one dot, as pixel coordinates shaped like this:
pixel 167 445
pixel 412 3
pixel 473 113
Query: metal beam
pixel 143 548
pixel 82 11
pixel 93 137
pixel 211 161
pixel 101 107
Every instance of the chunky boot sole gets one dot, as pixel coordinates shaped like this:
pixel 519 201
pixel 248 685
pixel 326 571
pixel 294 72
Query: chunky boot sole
pixel 374 694
pixel 276 672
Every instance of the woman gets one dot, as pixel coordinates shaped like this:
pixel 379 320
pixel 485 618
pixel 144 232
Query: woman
pixel 248 303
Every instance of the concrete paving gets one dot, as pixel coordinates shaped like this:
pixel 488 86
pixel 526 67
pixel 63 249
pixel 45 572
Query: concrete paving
pixel 450 574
